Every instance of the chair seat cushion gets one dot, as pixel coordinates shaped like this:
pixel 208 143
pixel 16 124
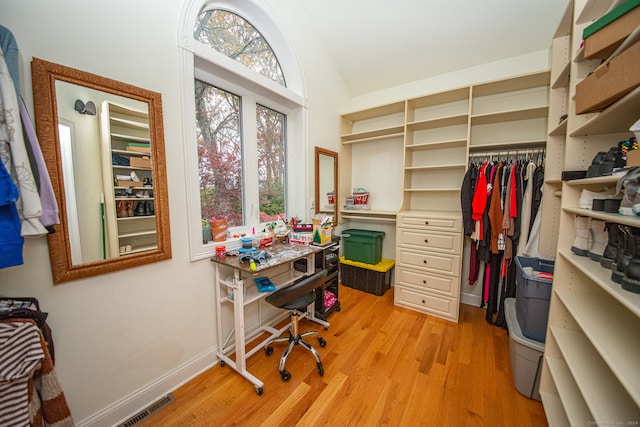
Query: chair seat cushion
pixel 301 303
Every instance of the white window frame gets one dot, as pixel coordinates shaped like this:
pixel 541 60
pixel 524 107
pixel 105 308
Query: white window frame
pixel 204 63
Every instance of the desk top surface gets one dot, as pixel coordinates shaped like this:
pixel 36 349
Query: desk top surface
pixel 280 254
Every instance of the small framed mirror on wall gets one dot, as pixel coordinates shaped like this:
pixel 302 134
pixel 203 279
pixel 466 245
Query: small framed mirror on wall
pixel 327 182
pixel 103 142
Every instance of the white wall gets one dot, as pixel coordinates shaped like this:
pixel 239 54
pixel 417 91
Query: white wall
pixel 123 338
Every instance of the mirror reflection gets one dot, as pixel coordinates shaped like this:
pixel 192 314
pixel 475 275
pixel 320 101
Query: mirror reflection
pixel 103 144
pixel 115 135
pixel 326 182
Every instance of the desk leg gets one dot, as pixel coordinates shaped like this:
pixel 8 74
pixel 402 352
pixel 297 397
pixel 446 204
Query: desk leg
pixel 240 364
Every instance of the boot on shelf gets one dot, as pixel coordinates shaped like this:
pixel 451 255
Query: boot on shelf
pixel 630 182
pixel 121 209
pixel 129 208
pixel 598 232
pixel 631 279
pixel 582 242
pixel 140 209
pixel 610 253
pixel 618 271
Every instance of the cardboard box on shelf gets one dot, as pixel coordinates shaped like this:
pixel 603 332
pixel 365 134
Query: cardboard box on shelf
pixel 604 36
pixel 129 184
pixel 141 148
pixel 609 82
pixel 633 158
pixel 140 162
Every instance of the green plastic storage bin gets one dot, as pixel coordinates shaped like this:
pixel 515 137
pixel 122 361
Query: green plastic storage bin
pixel 362 245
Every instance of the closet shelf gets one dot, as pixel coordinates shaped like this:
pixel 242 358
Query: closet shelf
pixel 461 119
pixel 576 409
pixel 603 394
pixel 632 221
pixel 436 167
pixel 602 278
pixel 537 143
pixel 599 180
pixel 374 112
pixel 593 10
pixel 373 135
pixel 377 216
pixel 540 112
pixel 562 81
pixel 582 307
pixel 437 144
pixel 435 190
pixel 129 138
pixel 560 130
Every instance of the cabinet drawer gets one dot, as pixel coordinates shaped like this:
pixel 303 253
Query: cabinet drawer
pixel 437 263
pixel 421 281
pixel 437 305
pixel 441 222
pixel 434 241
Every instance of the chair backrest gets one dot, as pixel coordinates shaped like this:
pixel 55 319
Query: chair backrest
pixel 283 296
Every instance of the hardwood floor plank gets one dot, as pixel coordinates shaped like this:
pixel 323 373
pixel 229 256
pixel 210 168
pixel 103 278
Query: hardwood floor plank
pixel 383 365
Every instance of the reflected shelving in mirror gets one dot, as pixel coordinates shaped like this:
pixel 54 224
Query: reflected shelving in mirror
pixel 108 171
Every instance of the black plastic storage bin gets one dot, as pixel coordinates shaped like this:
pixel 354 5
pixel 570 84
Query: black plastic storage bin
pixel 374 279
pixel 532 297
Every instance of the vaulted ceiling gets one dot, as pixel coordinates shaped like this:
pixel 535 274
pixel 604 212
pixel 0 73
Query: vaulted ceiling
pixel 379 44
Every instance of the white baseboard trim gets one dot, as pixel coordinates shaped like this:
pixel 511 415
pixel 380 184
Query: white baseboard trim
pixel 129 405
pixel 471 299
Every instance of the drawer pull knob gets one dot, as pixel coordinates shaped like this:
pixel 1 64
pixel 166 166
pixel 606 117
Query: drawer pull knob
pixel 426 223
pixel 424 281
pixel 425 261
pixel 426 240
pixel 424 302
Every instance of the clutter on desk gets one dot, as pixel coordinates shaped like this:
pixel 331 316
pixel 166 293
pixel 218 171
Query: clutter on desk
pixel 322 228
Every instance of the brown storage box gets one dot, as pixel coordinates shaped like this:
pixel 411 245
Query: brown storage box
pixel 609 82
pixel 140 162
pixel 602 43
pixel 137 149
pixel 129 184
pixel 633 158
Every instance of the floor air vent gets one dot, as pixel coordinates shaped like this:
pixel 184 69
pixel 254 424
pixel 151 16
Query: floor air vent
pixel 148 411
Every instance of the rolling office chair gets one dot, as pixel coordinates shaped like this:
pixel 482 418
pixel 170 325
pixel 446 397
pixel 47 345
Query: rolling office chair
pixel 296 298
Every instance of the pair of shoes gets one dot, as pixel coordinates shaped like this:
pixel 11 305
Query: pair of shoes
pixel 591 237
pixel 597 200
pixel 144 208
pixel 125 248
pixel 605 163
pixel 143 195
pixel 124 208
pixel 147 182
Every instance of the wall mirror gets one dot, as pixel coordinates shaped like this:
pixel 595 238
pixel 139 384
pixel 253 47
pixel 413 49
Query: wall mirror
pixel 103 142
pixel 327 183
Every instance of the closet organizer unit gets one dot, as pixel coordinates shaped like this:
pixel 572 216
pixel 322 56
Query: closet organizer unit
pixel 436 133
pixel 590 373
pixel 125 135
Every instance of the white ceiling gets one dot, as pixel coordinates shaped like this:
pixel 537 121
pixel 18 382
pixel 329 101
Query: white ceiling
pixel 379 44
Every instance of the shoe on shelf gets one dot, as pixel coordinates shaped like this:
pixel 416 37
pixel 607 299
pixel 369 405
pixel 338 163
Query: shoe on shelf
pixel 129 208
pixel 613 160
pixel 631 278
pixel 140 209
pixel 134 177
pixel 631 184
pixel 614 244
pixel 594 169
pixel 618 270
pixel 149 208
pixel 595 199
pixel 598 233
pixel 121 209
pixel 583 241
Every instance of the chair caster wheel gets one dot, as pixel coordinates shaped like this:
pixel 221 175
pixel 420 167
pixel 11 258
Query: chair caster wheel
pixel 222 363
pixel 268 351
pixel 320 369
pixel 322 342
pixel 286 376
pixel 259 390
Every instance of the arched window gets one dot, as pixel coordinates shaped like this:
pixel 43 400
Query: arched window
pixel 244 137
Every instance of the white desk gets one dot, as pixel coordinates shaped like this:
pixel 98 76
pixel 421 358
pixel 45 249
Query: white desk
pixel 231 277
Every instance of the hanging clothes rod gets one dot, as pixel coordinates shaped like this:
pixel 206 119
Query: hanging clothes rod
pixel 515 153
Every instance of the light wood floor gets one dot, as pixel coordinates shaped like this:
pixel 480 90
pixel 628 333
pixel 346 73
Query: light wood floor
pixel 383 366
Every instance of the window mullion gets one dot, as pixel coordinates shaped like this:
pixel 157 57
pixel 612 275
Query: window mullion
pixel 250 159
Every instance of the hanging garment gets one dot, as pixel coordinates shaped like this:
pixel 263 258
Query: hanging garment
pixel 466 198
pixel 15 159
pixel 531 250
pixel 11 242
pixel 538 181
pixel 495 213
pixel 479 202
pixel 525 211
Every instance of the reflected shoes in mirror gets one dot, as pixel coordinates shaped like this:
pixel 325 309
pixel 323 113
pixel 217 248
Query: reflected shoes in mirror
pixel 143 194
pixel 134 177
pixel 122 209
pixel 144 208
pixel 147 182
pixel 125 248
